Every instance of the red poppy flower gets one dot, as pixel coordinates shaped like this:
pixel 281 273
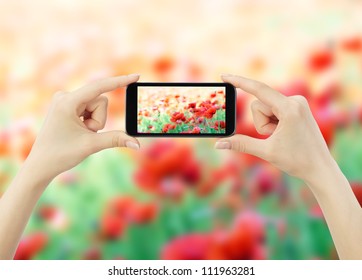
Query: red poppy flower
pixel 4 144
pixel 192 105
pixel 243 242
pixel 164 65
pixel 316 212
pixel 112 226
pixel 325 120
pixel 196 130
pixel 47 212
pixel 266 180
pixel 210 112
pixel 187 247
pixel 353 44
pixel 357 190
pixel 168 127
pixel 132 211
pixel 213 180
pixel 167 165
pixel 93 254
pixel 218 124
pixel 200 120
pixel 212 95
pixel 298 87
pixel 327 95
pixel 31 245
pixel 177 116
pixel 320 60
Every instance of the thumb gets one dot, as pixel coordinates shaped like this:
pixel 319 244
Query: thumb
pixel 243 144
pixel 111 139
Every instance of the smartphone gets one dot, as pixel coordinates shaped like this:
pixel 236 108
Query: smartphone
pixel 180 109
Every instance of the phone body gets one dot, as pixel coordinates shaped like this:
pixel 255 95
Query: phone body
pixel 180 109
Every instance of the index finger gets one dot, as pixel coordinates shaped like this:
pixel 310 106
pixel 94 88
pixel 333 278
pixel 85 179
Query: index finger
pixel 93 90
pixel 264 93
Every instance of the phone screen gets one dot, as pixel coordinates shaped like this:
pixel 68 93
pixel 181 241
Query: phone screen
pixel 178 109
pixel 181 110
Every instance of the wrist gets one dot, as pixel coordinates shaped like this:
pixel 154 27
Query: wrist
pixel 325 174
pixel 35 172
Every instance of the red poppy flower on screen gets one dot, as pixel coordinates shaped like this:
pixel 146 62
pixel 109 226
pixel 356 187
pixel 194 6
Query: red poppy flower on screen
pixel 191 105
pixel 168 127
pixel 178 117
pixel 219 124
pixel 196 130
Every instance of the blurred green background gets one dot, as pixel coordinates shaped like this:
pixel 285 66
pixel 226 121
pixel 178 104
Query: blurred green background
pixel 179 199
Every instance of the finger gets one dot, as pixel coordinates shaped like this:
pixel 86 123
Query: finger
pixel 111 139
pixel 243 144
pixel 93 90
pixel 264 93
pixel 97 110
pixel 264 120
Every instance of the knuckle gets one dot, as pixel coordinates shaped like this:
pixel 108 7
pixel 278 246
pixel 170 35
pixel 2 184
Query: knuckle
pixel 241 147
pixel 300 99
pixel 103 99
pixel 116 140
pixel 297 106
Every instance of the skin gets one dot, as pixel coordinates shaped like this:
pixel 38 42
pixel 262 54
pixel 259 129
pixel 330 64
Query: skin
pixel 69 135
pixel 296 146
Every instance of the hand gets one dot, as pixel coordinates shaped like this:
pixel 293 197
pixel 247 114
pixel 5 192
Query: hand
pixel 296 145
pixel 69 133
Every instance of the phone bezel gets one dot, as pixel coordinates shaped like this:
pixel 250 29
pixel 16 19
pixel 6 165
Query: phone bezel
pixel 132 101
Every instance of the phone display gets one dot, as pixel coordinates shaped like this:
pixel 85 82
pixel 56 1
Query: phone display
pixel 180 109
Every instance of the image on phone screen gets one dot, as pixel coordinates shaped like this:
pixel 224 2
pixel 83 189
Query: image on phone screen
pixel 181 110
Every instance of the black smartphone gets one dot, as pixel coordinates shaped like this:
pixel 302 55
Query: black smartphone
pixel 180 109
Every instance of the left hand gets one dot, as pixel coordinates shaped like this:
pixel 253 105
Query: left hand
pixel 69 133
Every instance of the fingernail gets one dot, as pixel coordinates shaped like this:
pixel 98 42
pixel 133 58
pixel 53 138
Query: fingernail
pixel 133 75
pixel 132 145
pixel 223 145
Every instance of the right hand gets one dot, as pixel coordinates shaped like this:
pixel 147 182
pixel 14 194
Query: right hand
pixel 295 146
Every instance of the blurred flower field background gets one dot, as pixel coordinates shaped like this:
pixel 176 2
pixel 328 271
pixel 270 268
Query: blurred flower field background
pixel 179 198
